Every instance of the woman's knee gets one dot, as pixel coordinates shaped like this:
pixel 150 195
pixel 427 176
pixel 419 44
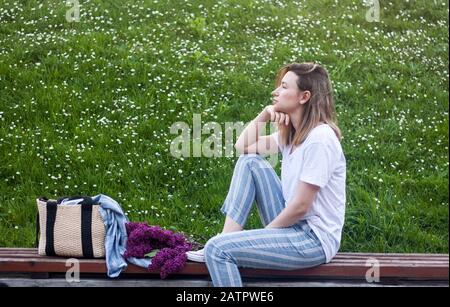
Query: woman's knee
pixel 211 249
pixel 253 161
pixel 216 250
pixel 249 158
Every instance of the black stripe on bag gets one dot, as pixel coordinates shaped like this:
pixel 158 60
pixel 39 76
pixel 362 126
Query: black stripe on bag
pixel 50 228
pixel 86 229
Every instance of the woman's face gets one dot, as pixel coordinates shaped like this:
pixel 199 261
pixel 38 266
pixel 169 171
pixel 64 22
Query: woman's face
pixel 286 97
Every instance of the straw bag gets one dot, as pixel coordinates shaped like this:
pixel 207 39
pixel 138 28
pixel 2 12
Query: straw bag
pixel 73 230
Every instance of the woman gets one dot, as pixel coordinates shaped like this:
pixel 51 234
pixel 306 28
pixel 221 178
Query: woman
pixel 303 214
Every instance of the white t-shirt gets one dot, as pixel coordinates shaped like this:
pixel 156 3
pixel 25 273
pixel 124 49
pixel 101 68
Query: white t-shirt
pixel 319 160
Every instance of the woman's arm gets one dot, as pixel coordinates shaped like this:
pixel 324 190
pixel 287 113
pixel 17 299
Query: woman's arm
pixel 251 140
pixel 297 207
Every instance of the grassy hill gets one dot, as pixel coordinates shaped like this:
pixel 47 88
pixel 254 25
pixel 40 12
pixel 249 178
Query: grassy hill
pixel 86 107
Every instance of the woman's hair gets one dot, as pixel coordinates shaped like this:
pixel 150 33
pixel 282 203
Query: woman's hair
pixel 320 106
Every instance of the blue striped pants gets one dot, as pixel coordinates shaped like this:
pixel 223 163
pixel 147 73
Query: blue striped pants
pixel 287 248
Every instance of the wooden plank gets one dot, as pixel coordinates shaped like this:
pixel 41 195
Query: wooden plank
pixel 360 262
pixel 345 265
pixel 336 260
pixel 20 250
pixel 391 254
pixel 402 270
pixel 340 257
pixel 357 262
pixel 363 263
pixel 91 282
pixel 385 256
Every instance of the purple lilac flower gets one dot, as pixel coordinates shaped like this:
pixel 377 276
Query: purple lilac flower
pixel 170 258
pixel 173 266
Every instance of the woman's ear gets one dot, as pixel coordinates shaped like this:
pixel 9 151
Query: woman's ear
pixel 304 97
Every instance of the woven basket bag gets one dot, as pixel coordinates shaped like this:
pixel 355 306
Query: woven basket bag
pixel 70 230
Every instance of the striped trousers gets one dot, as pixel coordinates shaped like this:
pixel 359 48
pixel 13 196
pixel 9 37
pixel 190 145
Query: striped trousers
pixel 287 248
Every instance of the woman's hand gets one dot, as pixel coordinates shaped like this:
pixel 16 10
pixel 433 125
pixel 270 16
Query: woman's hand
pixel 275 116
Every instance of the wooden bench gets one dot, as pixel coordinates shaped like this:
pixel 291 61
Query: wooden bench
pixel 393 268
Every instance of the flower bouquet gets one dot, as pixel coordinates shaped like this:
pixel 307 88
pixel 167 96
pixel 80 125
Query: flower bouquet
pixel 166 249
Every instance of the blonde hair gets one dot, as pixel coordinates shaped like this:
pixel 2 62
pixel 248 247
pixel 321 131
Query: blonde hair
pixel 319 108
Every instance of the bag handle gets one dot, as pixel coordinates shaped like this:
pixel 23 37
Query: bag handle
pixel 86 199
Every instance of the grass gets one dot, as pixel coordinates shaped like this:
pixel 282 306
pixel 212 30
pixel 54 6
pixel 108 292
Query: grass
pixel 86 108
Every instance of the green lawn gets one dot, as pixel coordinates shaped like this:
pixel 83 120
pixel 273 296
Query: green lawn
pixel 86 107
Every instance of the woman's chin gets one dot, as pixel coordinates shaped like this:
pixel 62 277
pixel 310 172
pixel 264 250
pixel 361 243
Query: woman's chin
pixel 283 110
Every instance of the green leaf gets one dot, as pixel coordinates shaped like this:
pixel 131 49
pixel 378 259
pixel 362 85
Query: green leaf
pixel 174 228
pixel 152 253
